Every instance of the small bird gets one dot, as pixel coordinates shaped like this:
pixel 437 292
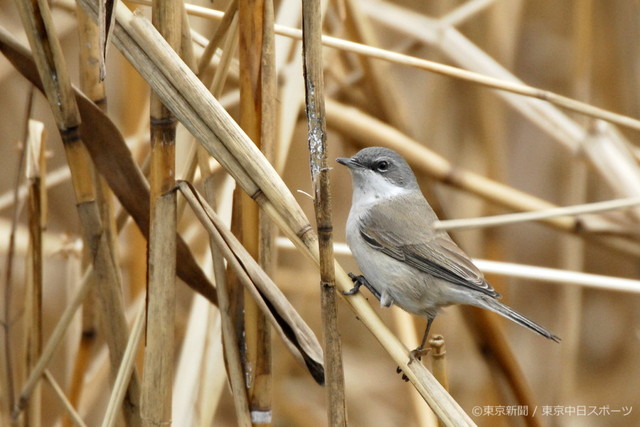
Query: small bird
pixel 404 259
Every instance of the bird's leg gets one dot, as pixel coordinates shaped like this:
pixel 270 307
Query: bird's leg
pixel 420 351
pixel 359 281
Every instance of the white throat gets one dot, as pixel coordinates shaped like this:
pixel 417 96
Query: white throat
pixel 371 188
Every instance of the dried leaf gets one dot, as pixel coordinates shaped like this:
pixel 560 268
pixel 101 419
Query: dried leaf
pixel 297 336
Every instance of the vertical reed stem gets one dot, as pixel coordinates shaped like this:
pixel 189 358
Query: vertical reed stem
pixel 157 382
pixel 93 86
pixel 257 93
pixel 8 376
pixel 37 209
pixel 317 137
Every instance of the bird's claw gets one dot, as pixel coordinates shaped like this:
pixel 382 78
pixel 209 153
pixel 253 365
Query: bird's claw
pixel 357 282
pixel 417 353
pixel 405 378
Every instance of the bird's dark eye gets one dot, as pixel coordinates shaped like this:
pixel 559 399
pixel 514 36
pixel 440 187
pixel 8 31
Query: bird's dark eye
pixel 382 166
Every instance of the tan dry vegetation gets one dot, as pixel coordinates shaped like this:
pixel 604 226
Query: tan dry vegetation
pixel 537 111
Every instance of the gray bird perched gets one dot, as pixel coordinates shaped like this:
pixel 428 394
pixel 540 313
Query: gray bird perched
pixel 405 261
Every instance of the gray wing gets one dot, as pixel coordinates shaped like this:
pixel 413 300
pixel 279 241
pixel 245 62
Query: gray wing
pixel 436 254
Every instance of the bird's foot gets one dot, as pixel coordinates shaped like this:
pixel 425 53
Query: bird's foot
pixel 359 281
pixel 414 355
pixel 417 353
pixel 405 378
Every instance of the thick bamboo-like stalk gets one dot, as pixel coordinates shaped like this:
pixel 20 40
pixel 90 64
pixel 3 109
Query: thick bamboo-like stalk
pixel 256 119
pixel 170 77
pixel 317 142
pixel 157 381
pixel 91 70
pixel 262 390
pixel 36 173
pixel 38 24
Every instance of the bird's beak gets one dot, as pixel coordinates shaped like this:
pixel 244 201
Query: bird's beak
pixel 347 161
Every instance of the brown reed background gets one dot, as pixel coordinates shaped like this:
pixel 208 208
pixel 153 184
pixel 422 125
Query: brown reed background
pixel 581 49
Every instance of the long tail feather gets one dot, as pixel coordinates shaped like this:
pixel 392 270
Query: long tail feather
pixel 497 307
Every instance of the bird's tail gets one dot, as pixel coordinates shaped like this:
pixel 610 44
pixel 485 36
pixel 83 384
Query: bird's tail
pixel 497 307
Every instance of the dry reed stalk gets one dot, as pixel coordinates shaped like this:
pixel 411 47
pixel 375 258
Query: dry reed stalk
pixel 216 39
pixel 198 111
pixel 213 376
pixel 187 51
pixel 91 72
pixel 438 360
pixel 157 381
pixel 230 332
pixel 191 367
pixel 514 218
pixel 382 94
pixel 257 95
pixel 38 24
pixel 125 369
pixel 572 250
pixel 8 377
pixel 465 11
pixel 52 344
pixel 54 178
pixel 595 281
pixel 262 392
pixel 288 62
pixel 405 327
pixel 65 402
pixel 317 142
pixel 37 207
pixel 364 130
pixel 610 153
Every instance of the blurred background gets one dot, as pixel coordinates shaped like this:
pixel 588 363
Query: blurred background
pixel 581 49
